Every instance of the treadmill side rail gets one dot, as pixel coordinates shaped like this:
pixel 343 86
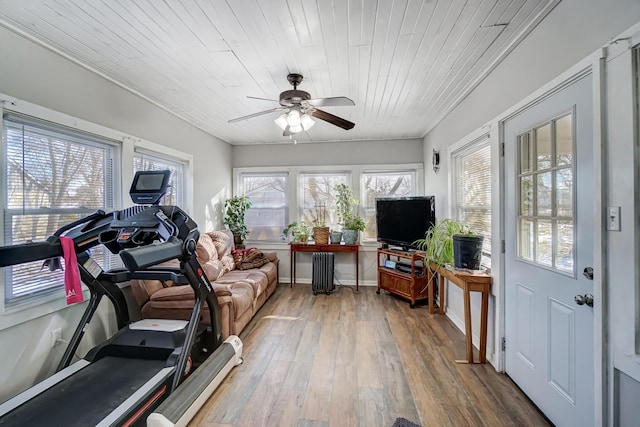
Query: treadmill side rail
pixel 180 407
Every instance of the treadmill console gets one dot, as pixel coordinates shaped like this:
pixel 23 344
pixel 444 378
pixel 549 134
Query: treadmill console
pixel 148 187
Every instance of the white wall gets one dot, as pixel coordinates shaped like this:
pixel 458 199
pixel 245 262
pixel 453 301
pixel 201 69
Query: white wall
pixel 573 30
pixel 332 153
pixel 39 76
pixel 387 152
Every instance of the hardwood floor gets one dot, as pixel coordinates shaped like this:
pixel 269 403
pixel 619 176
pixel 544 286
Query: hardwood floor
pixel 364 359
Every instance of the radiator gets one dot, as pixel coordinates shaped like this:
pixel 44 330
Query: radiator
pixel 322 272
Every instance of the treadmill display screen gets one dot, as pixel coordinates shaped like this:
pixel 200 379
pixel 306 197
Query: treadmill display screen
pixel 150 182
pixel 148 187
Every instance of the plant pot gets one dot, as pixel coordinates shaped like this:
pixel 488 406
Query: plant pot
pixel 301 239
pixel 321 235
pixel 237 239
pixel 467 251
pixel 335 237
pixel 350 237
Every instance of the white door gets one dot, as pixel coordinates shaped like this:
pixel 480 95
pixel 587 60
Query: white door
pixel 549 242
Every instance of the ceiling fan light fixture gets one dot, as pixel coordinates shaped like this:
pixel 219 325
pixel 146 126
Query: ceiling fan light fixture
pixel 282 121
pixel 293 122
pixel 306 121
pixel 293 119
pixel 296 128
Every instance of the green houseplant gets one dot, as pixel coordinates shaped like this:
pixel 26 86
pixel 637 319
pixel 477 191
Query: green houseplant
pixel 235 210
pixel 448 242
pixel 299 232
pixel 347 213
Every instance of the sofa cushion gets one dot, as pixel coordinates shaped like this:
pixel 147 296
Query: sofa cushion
pixel 254 277
pixel 223 241
pixel 181 298
pixel 213 269
pixel 205 249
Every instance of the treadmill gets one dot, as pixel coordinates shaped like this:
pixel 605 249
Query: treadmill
pixel 143 371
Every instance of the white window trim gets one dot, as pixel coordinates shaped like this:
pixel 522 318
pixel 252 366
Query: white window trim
pixel 123 176
pixel 132 145
pixel 354 173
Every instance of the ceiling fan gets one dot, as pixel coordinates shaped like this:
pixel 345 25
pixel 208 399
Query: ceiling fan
pixel 298 106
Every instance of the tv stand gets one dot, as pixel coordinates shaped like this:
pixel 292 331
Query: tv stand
pixel 411 280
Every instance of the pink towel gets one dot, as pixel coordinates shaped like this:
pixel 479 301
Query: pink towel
pixel 72 286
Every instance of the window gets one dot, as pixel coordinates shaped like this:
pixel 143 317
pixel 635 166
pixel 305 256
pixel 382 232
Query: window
pixel 53 175
pixel 546 192
pixel 269 212
pixel 282 195
pixel 383 184
pixel 143 161
pixel 472 190
pixel 318 195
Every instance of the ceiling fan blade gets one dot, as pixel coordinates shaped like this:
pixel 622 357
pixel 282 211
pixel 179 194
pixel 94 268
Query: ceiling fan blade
pixel 261 113
pixel 334 120
pixel 262 99
pixel 335 101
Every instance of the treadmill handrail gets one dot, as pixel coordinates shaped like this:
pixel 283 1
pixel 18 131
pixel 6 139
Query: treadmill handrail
pixel 28 252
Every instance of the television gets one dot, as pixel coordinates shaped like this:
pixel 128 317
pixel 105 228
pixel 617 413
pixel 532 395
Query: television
pixel 403 220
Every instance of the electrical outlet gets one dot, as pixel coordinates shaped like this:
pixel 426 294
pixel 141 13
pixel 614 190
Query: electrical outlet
pixel 56 337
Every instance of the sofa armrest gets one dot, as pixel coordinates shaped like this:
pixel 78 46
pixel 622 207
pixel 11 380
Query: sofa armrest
pixel 221 290
pixel 271 256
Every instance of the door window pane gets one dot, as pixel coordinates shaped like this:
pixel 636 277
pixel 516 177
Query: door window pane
pixel 526 198
pixel 546 214
pixel 564 244
pixel 542 137
pixel 564 141
pixel 526 242
pixel 525 152
pixel 543 243
pixel 564 192
pixel 543 194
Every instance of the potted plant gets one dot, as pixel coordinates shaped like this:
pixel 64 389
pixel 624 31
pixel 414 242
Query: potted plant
pixel 320 229
pixel 451 242
pixel 299 232
pixel 347 213
pixel 235 210
pixel 335 237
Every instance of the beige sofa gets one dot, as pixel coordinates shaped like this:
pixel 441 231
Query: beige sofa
pixel 240 292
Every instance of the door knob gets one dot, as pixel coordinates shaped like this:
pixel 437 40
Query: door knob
pixel 584 299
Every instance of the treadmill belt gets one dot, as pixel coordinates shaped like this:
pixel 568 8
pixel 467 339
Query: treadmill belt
pixel 86 397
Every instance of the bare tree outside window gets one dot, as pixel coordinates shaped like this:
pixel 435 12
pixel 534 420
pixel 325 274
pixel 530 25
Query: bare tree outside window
pixel 268 214
pixel 52 179
pixel 383 184
pixel 318 191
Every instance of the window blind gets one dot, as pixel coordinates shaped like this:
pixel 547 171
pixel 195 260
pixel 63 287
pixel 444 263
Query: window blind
pixel 52 175
pixel 472 189
pixel 145 161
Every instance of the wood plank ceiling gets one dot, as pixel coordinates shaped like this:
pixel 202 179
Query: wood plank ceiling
pixel 405 63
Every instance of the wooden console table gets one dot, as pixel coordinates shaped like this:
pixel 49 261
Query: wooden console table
pixel 414 283
pixel 468 282
pixel 337 248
